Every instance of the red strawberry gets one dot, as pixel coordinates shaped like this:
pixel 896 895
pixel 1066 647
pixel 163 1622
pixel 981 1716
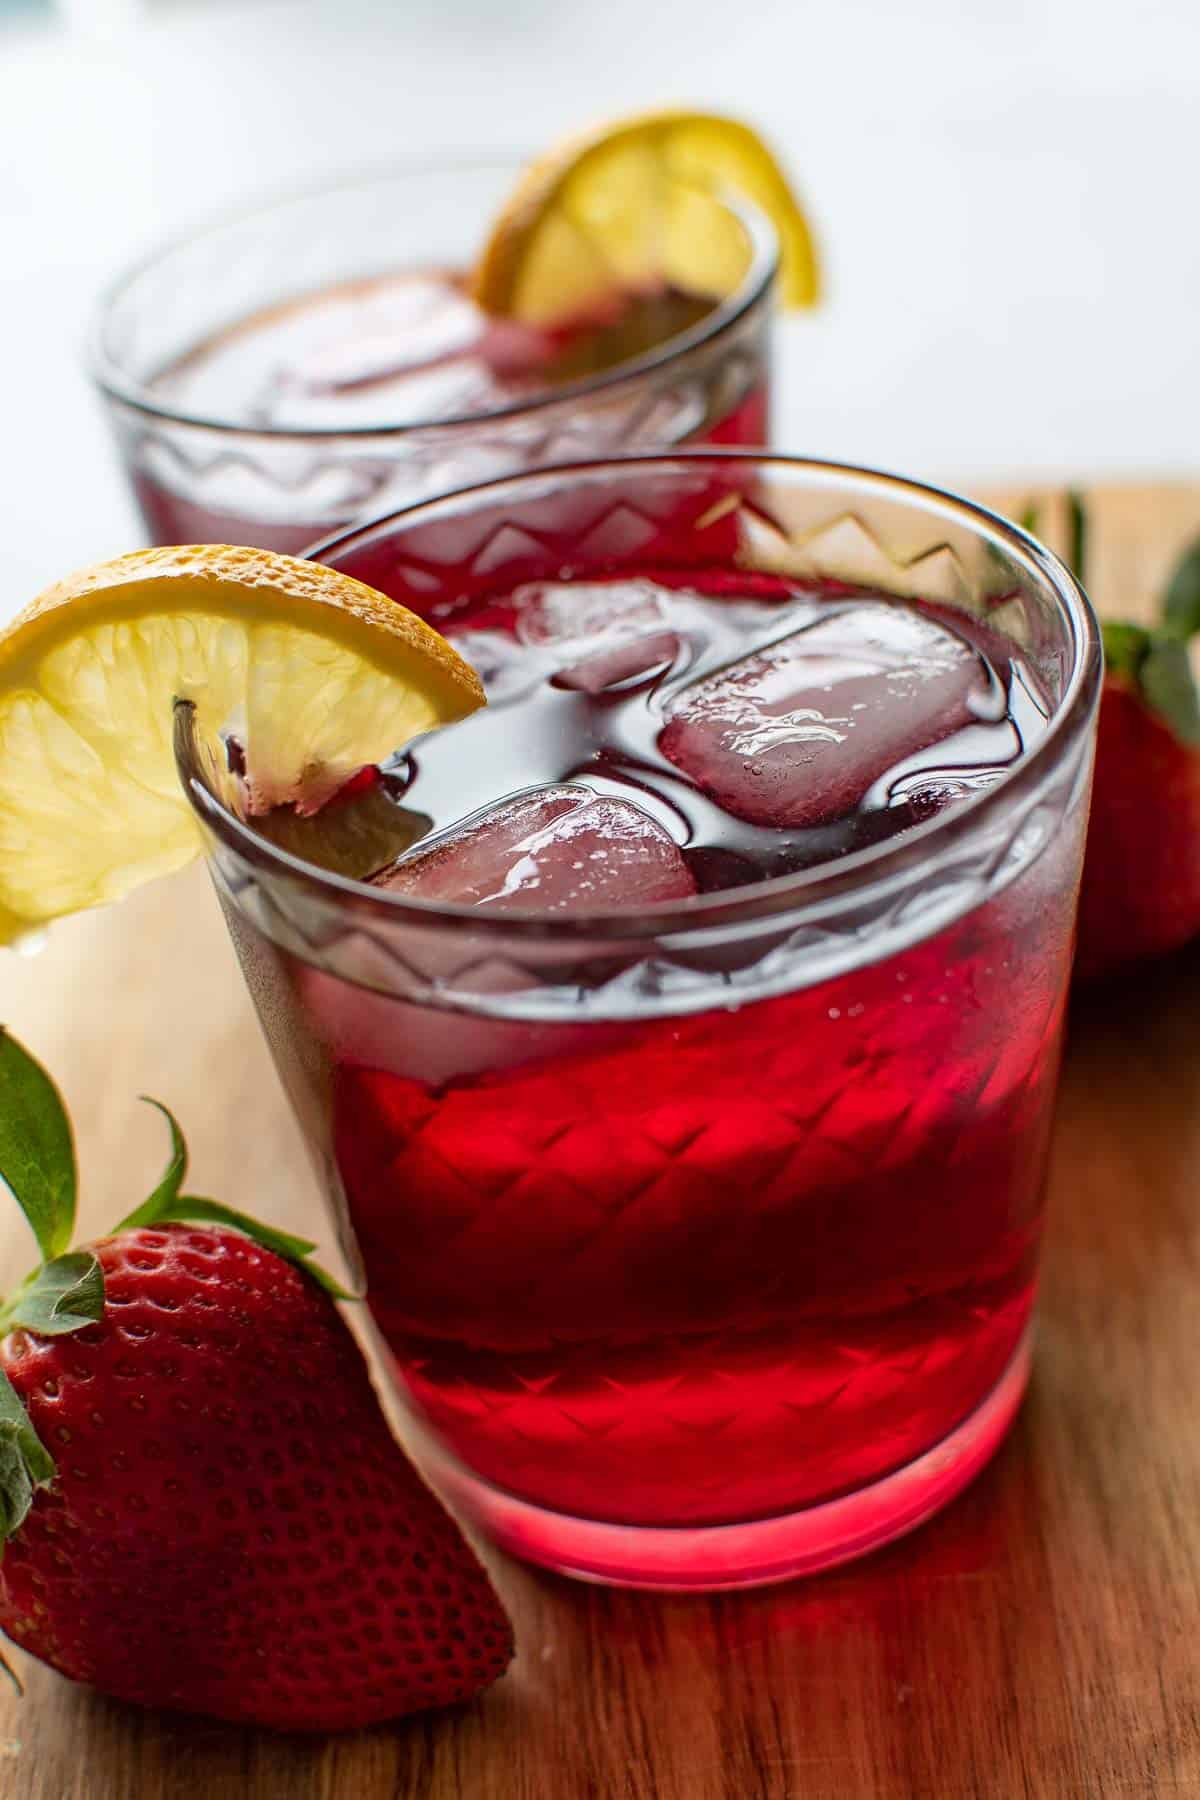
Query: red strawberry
pixel 1140 894
pixel 1141 878
pixel 231 1528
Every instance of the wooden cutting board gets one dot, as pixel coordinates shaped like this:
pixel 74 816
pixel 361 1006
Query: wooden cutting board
pixel 1039 1639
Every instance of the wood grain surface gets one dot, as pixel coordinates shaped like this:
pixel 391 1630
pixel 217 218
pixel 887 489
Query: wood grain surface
pixel 1039 1639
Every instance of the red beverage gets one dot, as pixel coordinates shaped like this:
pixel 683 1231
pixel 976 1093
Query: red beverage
pixel 548 1240
pixel 713 1257
pixel 405 351
pixel 323 361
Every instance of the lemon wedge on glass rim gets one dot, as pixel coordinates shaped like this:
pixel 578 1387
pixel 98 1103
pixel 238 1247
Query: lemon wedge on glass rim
pixel 635 204
pixel 315 673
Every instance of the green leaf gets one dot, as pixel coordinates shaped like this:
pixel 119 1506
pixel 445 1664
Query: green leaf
pixel 1077 520
pixel 296 1250
pixel 1029 516
pixel 62 1296
pixel 1125 647
pixel 16 1422
pixel 1169 687
pixel 1181 603
pixel 167 1191
pixel 37 1153
pixel 16 1485
pixel 25 1463
pixel 166 1205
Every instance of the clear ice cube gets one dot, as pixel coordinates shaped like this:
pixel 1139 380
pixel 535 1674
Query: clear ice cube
pixel 582 616
pixel 620 668
pixel 796 734
pixel 555 850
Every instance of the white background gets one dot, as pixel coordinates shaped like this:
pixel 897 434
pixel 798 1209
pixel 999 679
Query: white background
pixel 1005 192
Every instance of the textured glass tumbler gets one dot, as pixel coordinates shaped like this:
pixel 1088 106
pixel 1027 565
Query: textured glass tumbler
pixel 202 479
pixel 704 1238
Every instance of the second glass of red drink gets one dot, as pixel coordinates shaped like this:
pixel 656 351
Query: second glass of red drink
pixel 323 359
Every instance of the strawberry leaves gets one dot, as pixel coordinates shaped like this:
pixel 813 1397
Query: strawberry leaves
pixel 1181 603
pixel 167 1203
pixel 66 1292
pixel 1125 648
pixel 1153 659
pixel 37 1162
pixel 1168 685
pixel 62 1296
pixel 167 1191
pixel 37 1151
pixel 1157 664
pixel 25 1463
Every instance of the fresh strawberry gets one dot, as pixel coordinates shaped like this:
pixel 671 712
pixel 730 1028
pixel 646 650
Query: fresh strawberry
pixel 201 1504
pixel 1141 879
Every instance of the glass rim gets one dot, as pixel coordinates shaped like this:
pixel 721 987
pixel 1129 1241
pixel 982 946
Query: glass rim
pixel 135 394
pixel 777 897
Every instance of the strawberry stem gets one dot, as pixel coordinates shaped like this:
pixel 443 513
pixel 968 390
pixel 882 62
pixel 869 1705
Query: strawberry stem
pixel 1077 522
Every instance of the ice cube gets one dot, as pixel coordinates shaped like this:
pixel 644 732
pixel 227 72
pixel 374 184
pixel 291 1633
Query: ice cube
pixel 619 669
pixel 581 615
pixel 555 850
pixel 445 327
pixel 796 734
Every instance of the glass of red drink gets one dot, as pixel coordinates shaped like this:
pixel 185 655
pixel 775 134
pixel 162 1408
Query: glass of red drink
pixel 319 360
pixel 681 1071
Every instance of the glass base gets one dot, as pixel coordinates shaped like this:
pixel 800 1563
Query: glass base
pixel 695 1558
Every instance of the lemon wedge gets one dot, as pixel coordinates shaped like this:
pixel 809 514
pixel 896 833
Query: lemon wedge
pixel 638 203
pixel 316 674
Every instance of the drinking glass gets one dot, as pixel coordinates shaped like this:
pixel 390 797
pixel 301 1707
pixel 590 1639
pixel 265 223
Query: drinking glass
pixel 211 478
pixel 703 1236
